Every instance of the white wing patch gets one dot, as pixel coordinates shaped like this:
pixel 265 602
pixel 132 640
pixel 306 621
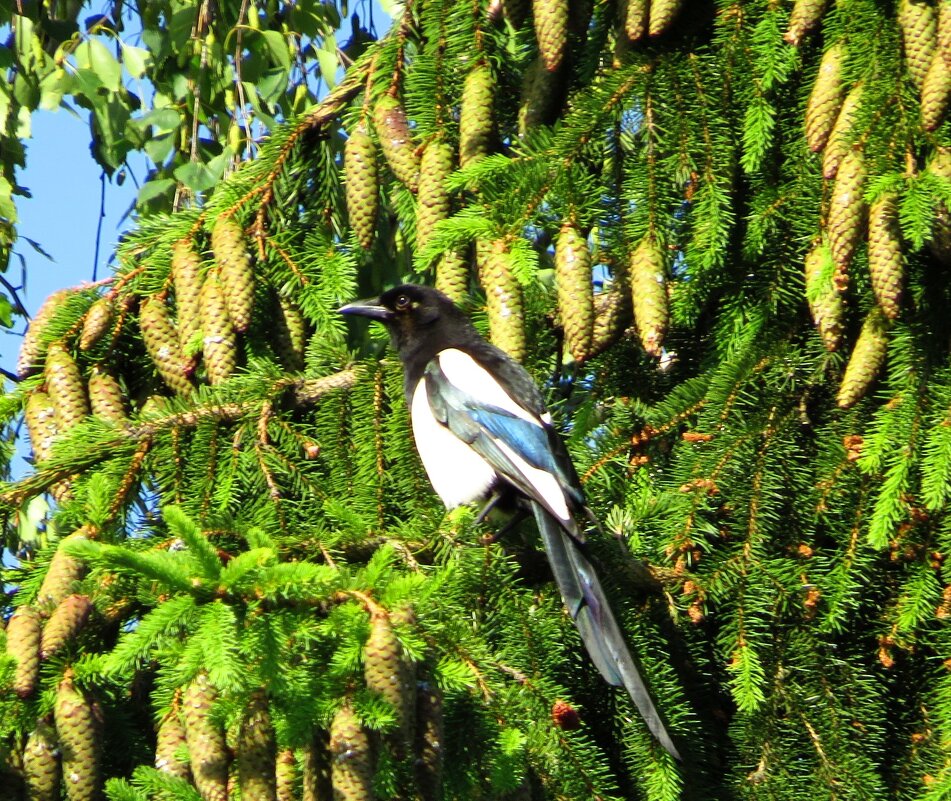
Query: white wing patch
pixel 458 474
pixel 466 373
pixel 546 486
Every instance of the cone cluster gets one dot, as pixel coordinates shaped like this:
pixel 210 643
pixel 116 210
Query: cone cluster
pixel 64 623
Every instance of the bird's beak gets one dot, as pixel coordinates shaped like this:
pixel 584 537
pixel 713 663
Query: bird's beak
pixel 367 308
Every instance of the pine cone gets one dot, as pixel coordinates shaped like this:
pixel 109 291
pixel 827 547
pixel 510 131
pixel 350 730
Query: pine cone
pixel 551 30
pixel 452 276
pixel 476 115
pixel 67 620
pixel 944 30
pixel 435 167
pixel 633 16
pixel 234 270
pixel 66 387
pixel 41 763
pixel 935 92
pixel 919 31
pixel 351 766
pixel 77 727
pixel 290 334
pixel 40 419
pixel 361 184
pixel 389 673
pixel 63 572
pixel 392 129
pixel 541 93
pixel 824 297
pixel 612 316
pixel 649 294
pixel 824 102
pixel 847 213
pixel 286 775
pixel 839 145
pixel 23 644
pixel 186 278
pixel 575 291
pixel 96 322
pixel 105 396
pixel 32 349
pixel 430 741
pixel 866 359
pixel 503 297
pixel 256 752
pixel 206 740
pixel 662 14
pixel 884 254
pixel 940 244
pixel 219 343
pixel 804 17
pixel 170 740
pixel 162 343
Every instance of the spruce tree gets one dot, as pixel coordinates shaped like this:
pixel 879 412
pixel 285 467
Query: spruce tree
pixel 717 233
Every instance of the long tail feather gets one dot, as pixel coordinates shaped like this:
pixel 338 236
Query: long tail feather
pixel 588 606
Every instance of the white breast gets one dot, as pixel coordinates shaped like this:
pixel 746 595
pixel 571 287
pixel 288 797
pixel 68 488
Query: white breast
pixel 458 474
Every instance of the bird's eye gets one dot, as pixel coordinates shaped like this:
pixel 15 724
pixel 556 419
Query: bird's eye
pixel 403 302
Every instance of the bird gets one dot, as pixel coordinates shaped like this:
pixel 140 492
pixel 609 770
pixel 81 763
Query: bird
pixel 484 434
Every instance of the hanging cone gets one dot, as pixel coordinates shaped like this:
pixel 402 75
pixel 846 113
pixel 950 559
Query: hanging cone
pixel 452 276
pixel 256 752
pixel 351 766
pixel 839 145
pixel 66 387
pixel 805 15
pixel 392 129
pixel 824 102
pixel 41 763
pixel 662 13
pixel 219 345
pixel 235 271
pixel 940 244
pixel 40 417
pixel 503 297
pixel 613 314
pixel 186 279
pixel 162 343
pixel 97 321
pixel 847 213
pixel 285 775
pixel 476 114
pixel 33 349
pixel 105 396
pixel 169 741
pixel 649 294
pixel 824 297
pixel 389 673
pixel 575 290
pixel 77 728
pixel 433 206
pixel 551 31
pixel 935 92
pixel 289 334
pixel 207 748
pixel 919 32
pixel 866 359
pixel 63 572
pixel 65 623
pixel 362 185
pixel 23 644
pixel 884 254
pixel 633 18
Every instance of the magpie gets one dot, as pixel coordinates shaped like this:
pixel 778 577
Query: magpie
pixel 483 433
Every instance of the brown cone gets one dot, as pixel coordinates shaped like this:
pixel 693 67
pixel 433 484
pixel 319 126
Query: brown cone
pixel 235 271
pixel 256 752
pixel 23 644
pixel 884 254
pixel 206 740
pixel 41 763
pixel 847 213
pixel 77 728
pixel 96 322
pixel 824 102
pixel 649 294
pixel 350 761
pixel 866 359
pixel 32 349
pixel 575 290
pixel 361 184
pixel 503 297
pixel 64 624
pixel 66 388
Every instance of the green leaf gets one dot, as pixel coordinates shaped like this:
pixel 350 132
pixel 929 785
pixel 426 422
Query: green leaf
pixel 8 209
pixel 6 312
pixel 93 55
pixel 137 60
pixel 278 48
pixel 328 61
pixel 196 176
pixel 52 88
pixel 153 190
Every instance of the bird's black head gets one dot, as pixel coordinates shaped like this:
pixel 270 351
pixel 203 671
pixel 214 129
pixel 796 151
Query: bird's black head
pixel 420 319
